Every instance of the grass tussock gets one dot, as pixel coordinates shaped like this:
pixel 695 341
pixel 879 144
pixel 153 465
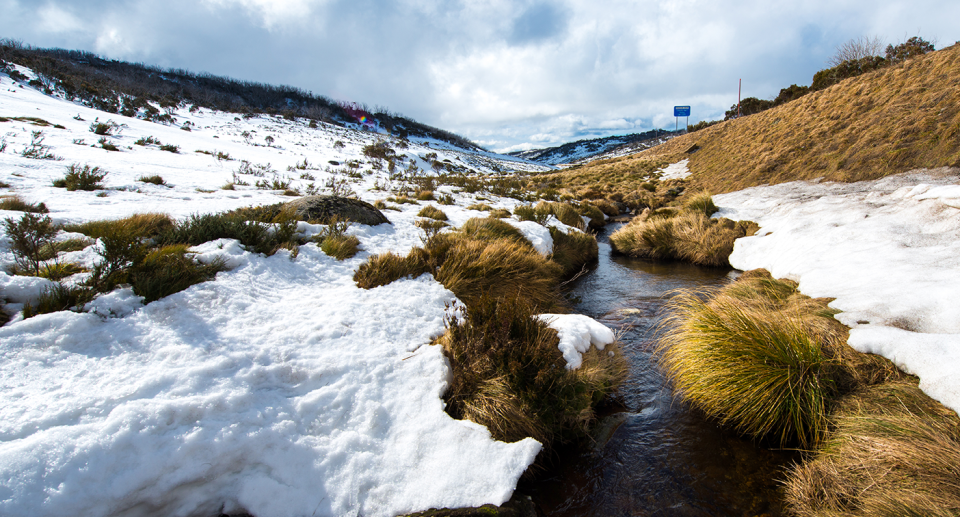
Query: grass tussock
pixel 433 213
pixel 564 212
pixel 893 451
pixel 763 359
pixel 573 251
pixel 17 204
pixel 169 270
pixel 687 235
pixel 597 219
pixel 147 225
pixel 81 178
pixel 509 375
pixel 491 228
pixel 341 247
pixel 388 267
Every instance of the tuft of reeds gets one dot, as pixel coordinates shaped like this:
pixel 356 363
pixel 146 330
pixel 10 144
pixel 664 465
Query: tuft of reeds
pixel 388 267
pixel 702 203
pixel 893 451
pixel 509 375
pixel 147 225
pixel 761 358
pixel 17 204
pixel 340 247
pixel 573 251
pixel 687 235
pixel 433 213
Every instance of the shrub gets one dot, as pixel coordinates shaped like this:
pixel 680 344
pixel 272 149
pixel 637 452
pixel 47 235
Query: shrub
pixel 893 451
pixel 169 270
pixel 37 150
pixel 103 128
pixel 915 46
pixel 175 149
pixel 17 204
pixel 445 199
pixel 155 179
pixel 266 238
pixel 433 213
pixel 27 237
pixel 85 178
pixel 147 140
pixel 509 375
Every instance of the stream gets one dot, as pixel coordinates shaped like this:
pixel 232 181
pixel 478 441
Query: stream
pixel 652 456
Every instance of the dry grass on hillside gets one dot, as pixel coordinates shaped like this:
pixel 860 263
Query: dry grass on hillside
pixel 895 119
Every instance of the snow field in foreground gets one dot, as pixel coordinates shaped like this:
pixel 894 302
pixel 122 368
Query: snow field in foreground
pixel 889 252
pixel 280 388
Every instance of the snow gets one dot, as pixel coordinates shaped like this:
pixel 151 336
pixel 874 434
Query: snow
pixel 675 171
pixel 279 388
pixel 887 250
pixel 577 333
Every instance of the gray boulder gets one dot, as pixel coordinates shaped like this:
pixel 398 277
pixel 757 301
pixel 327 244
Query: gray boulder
pixel 321 209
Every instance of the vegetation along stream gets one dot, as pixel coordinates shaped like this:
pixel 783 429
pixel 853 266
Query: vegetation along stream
pixel 651 455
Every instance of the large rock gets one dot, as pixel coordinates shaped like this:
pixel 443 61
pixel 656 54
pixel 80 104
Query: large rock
pixel 322 209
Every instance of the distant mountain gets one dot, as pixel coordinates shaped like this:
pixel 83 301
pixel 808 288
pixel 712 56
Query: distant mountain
pixel 585 150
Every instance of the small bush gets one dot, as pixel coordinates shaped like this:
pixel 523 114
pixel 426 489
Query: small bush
pixel 85 178
pixel 433 213
pixel 266 238
pixel 17 204
pixel 509 375
pixel 446 199
pixel 155 179
pixel 103 128
pixel 169 270
pixel 175 149
pixel 28 236
pixel 147 140
pixel 105 144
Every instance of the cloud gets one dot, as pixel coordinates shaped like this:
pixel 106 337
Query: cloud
pixel 506 73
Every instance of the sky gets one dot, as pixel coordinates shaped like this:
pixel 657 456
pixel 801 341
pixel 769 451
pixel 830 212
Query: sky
pixel 508 74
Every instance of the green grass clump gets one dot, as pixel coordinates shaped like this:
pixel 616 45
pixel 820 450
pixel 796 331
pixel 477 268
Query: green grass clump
pixel 59 298
pixel 266 238
pixel 703 203
pixel 892 451
pixel 340 247
pixel 169 270
pixel 687 235
pixel 81 178
pixel 17 204
pixel 509 375
pixel 433 213
pixel 761 358
pixel 59 270
pixel 145 225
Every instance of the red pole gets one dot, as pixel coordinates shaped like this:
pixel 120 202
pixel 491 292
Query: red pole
pixel 739 88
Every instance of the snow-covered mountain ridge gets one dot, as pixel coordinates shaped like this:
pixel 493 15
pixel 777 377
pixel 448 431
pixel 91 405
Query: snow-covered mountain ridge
pixel 596 148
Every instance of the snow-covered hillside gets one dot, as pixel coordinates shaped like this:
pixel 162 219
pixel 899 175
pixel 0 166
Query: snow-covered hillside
pixel 279 388
pixel 595 149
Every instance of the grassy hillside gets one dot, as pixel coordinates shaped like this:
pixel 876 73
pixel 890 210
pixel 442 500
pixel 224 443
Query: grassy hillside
pixel 898 118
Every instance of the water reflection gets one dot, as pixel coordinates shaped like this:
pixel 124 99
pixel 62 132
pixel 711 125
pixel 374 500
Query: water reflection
pixel 653 457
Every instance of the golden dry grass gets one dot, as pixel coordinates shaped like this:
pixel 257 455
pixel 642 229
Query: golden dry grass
pixel 885 122
pixel 433 213
pixel 140 225
pixel 893 451
pixel 763 359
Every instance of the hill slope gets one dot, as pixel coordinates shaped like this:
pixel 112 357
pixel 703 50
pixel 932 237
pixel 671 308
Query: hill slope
pixel 898 118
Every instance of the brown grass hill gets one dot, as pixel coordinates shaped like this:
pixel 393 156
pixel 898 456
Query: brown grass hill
pixel 898 118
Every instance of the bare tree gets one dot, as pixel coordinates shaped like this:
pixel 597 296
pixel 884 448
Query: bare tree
pixel 857 48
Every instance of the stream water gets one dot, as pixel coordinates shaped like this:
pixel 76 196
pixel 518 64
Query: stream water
pixel 652 456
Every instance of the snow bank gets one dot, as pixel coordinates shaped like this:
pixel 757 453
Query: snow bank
pixel 279 388
pixel 577 332
pixel 675 171
pixel 887 250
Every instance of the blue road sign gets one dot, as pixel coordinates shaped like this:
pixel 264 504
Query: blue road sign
pixel 681 111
